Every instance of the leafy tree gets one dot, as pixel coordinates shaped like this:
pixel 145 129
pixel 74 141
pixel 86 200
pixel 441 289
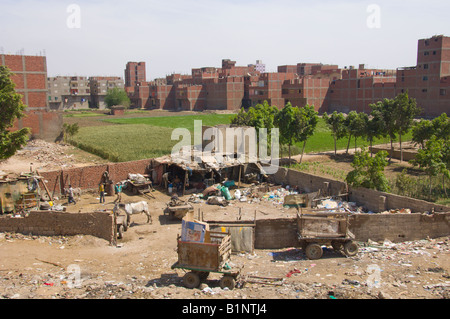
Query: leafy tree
pixel 349 121
pixel 422 131
pixel 286 122
pixel 446 161
pixel 386 109
pixel 117 96
pixel 405 110
pixel 243 118
pixel 374 128
pixel 307 119
pixel 359 126
pixel 441 127
pixel 258 116
pixel 368 171
pixel 11 108
pixel 431 160
pixel 336 123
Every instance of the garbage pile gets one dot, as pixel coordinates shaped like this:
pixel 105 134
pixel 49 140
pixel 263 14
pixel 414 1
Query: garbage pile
pixel 282 197
pixel 221 195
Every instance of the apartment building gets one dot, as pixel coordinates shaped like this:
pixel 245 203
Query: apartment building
pixel 429 81
pixel 69 92
pixel 326 87
pixel 30 78
pixel 80 92
pixel 99 86
pixel 135 72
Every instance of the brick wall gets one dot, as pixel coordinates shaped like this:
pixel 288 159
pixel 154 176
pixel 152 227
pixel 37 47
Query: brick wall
pixel 88 177
pixel 30 78
pixel 46 223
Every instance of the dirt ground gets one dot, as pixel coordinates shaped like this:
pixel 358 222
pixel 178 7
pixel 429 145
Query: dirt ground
pixel 86 267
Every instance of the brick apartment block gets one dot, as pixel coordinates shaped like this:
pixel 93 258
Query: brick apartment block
pixel 30 78
pixel 327 87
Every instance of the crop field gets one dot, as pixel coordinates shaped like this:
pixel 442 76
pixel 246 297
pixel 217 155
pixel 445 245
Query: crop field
pixel 138 138
pixel 127 139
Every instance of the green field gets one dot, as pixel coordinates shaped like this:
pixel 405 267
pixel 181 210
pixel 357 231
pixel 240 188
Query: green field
pixel 138 138
pixel 148 137
pixel 186 121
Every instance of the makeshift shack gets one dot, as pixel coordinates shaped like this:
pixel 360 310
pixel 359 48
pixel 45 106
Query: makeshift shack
pixel 19 193
pixel 195 175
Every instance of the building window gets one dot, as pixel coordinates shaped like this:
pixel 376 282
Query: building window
pixel 426 53
pixel 434 52
pixel 443 92
pixel 425 78
pixel 425 66
pixel 424 90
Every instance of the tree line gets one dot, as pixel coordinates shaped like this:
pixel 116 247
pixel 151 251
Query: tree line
pixel 389 118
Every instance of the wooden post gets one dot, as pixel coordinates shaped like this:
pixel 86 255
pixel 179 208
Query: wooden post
pixel 184 182
pixel 45 186
pixel 239 180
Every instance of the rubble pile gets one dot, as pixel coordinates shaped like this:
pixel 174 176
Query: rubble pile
pixel 48 154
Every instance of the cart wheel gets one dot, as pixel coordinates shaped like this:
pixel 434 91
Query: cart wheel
pixel 350 248
pixel 227 282
pixel 120 232
pixel 314 251
pixel 125 226
pixel 337 245
pixel 191 280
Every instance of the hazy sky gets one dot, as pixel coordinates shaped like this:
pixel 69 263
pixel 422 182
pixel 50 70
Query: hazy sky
pixel 178 35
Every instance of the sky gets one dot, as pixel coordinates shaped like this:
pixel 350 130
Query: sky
pixel 98 38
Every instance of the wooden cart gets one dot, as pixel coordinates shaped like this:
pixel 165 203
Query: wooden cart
pixel 144 189
pixel 200 259
pixel 318 227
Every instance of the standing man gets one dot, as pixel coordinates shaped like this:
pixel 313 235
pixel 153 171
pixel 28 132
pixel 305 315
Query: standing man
pixel 71 200
pixel 118 190
pixel 101 190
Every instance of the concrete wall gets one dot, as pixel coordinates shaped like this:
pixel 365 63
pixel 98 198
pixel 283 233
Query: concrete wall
pixel 308 182
pixel 276 233
pixel 282 233
pixel 399 227
pixel 47 223
pixel 407 154
pixel 378 201
pixel 371 199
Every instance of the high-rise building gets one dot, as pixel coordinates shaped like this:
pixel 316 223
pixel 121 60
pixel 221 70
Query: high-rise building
pixel 134 73
pixel 429 81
